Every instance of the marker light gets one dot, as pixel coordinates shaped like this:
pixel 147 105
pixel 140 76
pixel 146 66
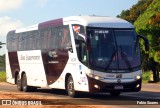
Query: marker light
pixel 137 85
pixel 96 86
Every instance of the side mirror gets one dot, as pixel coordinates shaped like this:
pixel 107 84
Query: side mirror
pixel 145 41
pixel 69 49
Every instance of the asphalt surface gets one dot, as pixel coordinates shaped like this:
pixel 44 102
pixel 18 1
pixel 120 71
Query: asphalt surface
pixel 149 95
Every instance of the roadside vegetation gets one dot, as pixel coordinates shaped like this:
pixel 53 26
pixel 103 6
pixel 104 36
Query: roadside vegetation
pixel 2 62
pixel 2 76
pixel 146 76
pixel 2 68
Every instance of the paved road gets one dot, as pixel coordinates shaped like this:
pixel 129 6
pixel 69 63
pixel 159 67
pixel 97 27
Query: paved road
pixel 150 94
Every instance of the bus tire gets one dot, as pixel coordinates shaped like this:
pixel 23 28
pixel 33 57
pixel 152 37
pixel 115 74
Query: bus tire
pixel 117 93
pixel 25 87
pixel 70 87
pixel 18 83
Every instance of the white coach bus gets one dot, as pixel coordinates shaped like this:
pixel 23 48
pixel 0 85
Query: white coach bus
pixel 77 53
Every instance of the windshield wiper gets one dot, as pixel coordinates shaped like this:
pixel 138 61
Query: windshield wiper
pixel 110 61
pixel 125 59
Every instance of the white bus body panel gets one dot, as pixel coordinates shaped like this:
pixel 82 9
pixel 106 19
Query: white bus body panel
pixel 31 63
pixel 73 68
pixel 9 77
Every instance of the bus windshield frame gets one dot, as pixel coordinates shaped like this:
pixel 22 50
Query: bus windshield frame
pixel 113 49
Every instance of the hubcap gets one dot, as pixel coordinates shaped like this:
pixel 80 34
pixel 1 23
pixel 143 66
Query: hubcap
pixel 24 83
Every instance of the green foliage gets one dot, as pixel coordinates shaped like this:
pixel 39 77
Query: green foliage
pixel 2 61
pixel 136 10
pixel 146 76
pixel 145 16
pixel 148 24
pixel 142 22
pixel 157 57
pixel 2 76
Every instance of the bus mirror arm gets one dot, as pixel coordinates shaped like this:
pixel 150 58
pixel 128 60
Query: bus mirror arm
pixel 145 41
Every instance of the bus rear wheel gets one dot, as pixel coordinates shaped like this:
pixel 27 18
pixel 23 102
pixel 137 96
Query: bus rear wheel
pixel 18 82
pixel 70 87
pixel 25 87
pixel 115 93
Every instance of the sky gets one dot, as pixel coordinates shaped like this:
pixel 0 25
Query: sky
pixel 16 14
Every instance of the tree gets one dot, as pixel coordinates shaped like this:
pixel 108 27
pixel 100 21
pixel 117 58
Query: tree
pixel 148 24
pixel 135 11
pixel 2 61
pixel 1 44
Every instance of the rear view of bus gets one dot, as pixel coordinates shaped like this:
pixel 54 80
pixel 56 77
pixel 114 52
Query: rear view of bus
pixel 98 54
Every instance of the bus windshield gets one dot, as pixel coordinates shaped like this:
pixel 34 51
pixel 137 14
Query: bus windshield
pixel 113 48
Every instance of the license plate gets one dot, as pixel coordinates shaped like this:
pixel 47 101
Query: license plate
pixel 118 87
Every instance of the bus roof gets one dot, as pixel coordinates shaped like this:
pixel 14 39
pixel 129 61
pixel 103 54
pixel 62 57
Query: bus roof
pixel 99 21
pixel 94 21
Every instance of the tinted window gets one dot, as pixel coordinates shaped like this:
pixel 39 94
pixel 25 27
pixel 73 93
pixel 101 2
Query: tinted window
pixel 59 37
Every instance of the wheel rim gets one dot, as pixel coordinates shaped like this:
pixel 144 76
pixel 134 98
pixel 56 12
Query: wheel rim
pixel 70 86
pixel 18 83
pixel 24 83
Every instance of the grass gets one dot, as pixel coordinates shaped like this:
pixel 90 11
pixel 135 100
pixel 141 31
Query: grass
pixel 2 76
pixel 146 76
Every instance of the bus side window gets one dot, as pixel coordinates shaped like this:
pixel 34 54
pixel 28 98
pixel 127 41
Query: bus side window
pixel 52 38
pixel 21 42
pixel 44 38
pixel 48 39
pixel 66 39
pixel 59 39
pixel 34 33
pixel 41 36
pixel 25 38
pixel 29 41
pixel 81 51
pixel 9 42
pixel 38 40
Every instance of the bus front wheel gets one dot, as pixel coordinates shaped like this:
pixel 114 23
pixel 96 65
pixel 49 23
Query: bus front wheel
pixel 70 87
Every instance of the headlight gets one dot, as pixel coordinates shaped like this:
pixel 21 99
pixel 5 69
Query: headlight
pixel 137 77
pixel 95 76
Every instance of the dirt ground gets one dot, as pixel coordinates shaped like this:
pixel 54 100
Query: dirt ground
pixel 27 96
pixel 15 95
pixel 24 96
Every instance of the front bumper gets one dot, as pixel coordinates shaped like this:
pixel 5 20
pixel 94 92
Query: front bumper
pixel 108 87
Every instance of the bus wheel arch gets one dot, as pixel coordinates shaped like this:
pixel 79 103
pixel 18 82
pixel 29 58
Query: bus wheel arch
pixel 16 76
